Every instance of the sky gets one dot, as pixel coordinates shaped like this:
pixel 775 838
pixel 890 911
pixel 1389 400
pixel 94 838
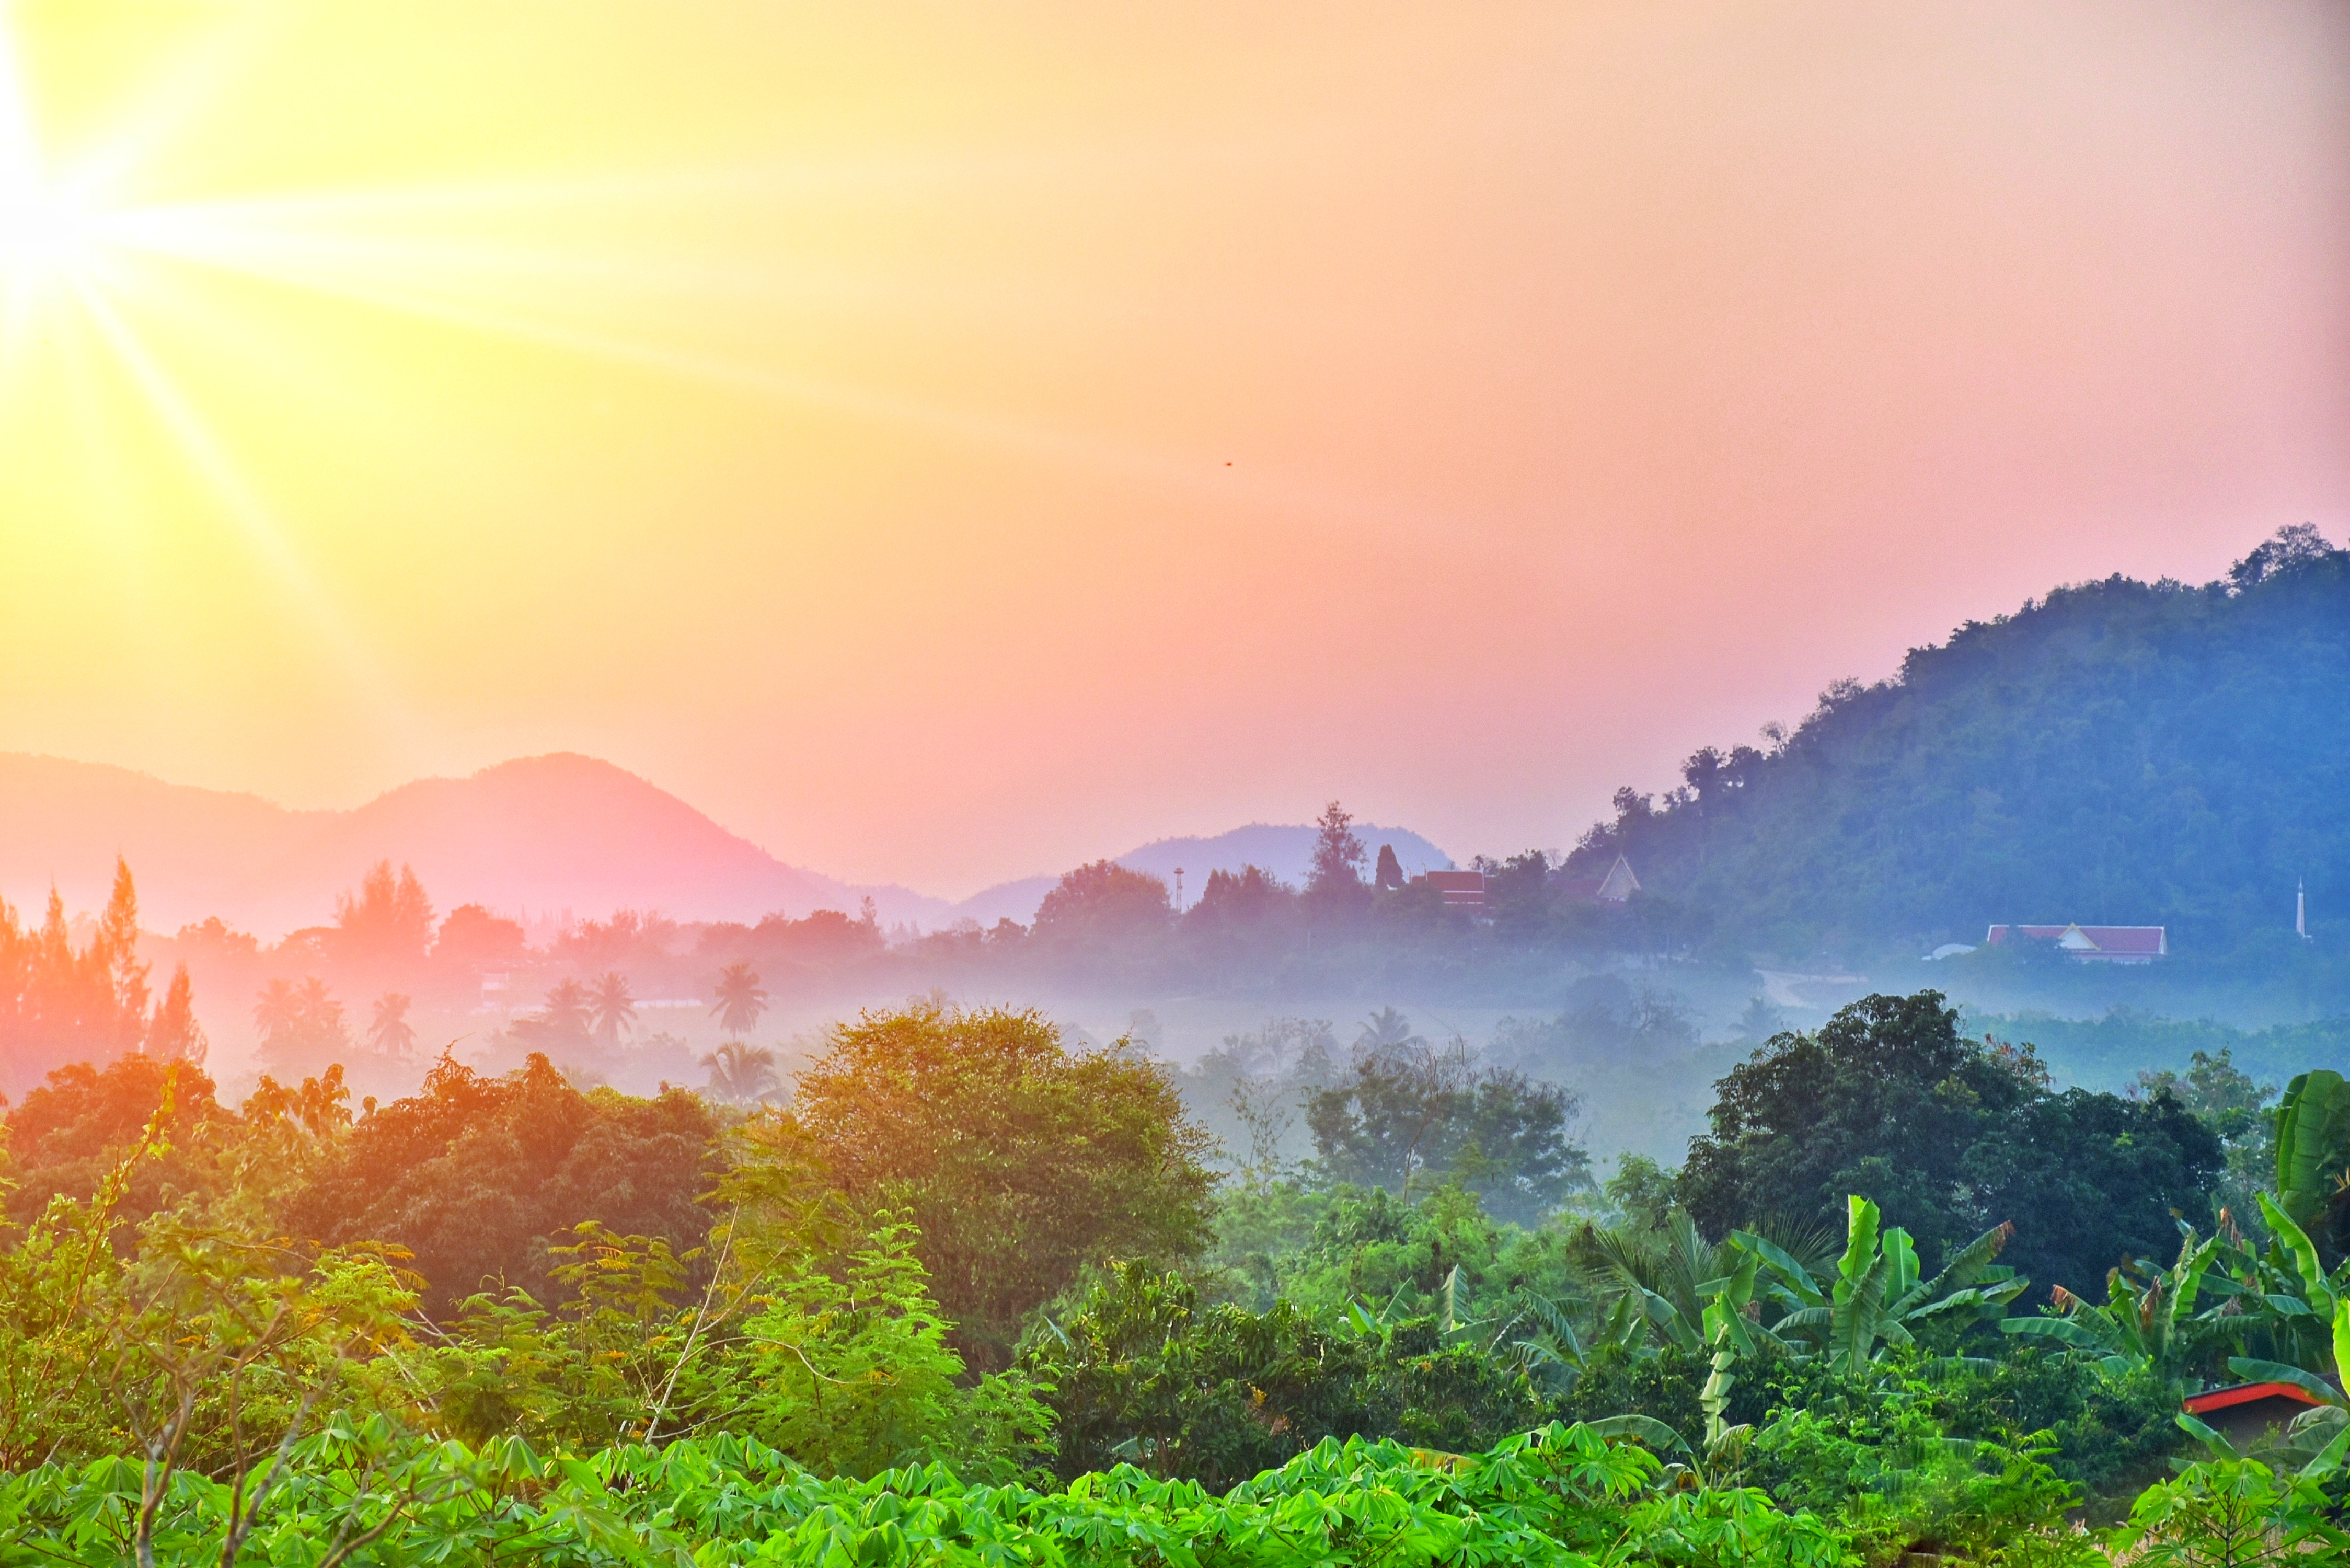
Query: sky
pixel 951 443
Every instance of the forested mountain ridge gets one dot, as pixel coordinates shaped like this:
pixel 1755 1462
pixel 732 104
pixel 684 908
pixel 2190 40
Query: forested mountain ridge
pixel 2120 752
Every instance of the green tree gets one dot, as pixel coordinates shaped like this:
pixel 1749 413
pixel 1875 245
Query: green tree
pixel 471 1174
pixel 1020 1160
pixel 1949 1136
pixel 1409 1112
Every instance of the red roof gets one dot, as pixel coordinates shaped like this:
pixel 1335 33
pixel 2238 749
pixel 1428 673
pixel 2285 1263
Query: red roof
pixel 2094 941
pixel 2212 1399
pixel 1462 889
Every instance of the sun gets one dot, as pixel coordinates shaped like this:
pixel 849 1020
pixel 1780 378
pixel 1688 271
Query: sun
pixel 46 233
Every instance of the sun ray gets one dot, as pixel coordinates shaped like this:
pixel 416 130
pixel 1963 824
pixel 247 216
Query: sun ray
pixel 459 284
pixel 264 539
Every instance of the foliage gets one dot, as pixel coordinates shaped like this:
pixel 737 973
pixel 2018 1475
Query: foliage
pixel 741 999
pixel 1104 904
pixel 387 917
pixel 1021 1161
pixel 2151 748
pixel 1948 1137
pixel 1557 1495
pixel 2235 1513
pixel 58 1004
pixel 473 1174
pixel 742 1075
pixel 1408 1112
pixel 2313 1153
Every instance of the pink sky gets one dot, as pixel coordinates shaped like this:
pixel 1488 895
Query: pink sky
pixel 950 446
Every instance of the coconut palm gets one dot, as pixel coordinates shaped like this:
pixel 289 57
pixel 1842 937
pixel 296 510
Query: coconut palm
pixel 562 1025
pixel 742 1074
pixel 611 1008
pixel 740 1000
pixel 390 1032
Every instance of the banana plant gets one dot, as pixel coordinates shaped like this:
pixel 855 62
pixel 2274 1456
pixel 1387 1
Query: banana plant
pixel 2312 1144
pixel 1873 1301
pixel 2155 1327
pixel 1877 1298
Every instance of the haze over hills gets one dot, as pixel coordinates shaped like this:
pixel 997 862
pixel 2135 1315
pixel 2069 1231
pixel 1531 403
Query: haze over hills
pixel 1286 850
pixel 543 834
pixel 2119 752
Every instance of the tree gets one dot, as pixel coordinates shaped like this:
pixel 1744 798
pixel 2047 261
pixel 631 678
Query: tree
pixel 1021 1161
pixel 66 1136
pixel 740 1000
pixel 1884 1101
pixel 302 1027
pixel 1947 1135
pixel 1104 904
pixel 1389 877
pixel 743 1074
pixel 561 1024
pixel 611 1008
pixel 1337 853
pixel 389 916
pixel 473 936
pixel 60 1005
pixel 175 1035
pixel 1410 1112
pixel 472 1173
pixel 2091 1180
pixel 390 1032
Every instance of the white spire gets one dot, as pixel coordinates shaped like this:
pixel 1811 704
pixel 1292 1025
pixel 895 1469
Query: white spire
pixel 2300 909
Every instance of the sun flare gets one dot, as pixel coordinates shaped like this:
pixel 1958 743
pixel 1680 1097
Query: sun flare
pixel 48 234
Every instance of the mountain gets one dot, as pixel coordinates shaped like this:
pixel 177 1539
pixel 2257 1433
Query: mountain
pixel 2120 753
pixel 1286 850
pixel 547 834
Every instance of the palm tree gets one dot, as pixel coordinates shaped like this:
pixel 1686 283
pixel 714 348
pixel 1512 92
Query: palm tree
pixel 742 1074
pixel 277 1013
pixel 740 1000
pixel 391 1034
pixel 561 1024
pixel 611 1008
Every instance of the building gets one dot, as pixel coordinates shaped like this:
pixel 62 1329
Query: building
pixel 1616 887
pixel 2248 1413
pixel 1462 891
pixel 2094 944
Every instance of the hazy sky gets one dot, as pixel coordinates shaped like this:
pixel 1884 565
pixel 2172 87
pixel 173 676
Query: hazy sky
pixel 950 442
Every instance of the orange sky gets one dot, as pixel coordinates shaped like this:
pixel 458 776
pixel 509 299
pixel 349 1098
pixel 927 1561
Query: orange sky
pixel 949 443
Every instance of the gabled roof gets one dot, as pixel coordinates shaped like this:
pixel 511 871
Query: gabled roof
pixel 2088 941
pixel 2212 1399
pixel 1615 888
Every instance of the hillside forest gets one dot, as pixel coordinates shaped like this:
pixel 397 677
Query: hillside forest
pixel 967 1291
pixel 404 1239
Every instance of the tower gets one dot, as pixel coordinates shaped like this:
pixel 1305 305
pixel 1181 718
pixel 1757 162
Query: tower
pixel 2300 909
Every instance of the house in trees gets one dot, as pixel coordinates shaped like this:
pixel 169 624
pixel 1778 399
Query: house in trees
pixel 1462 891
pixel 1616 887
pixel 2250 1413
pixel 2092 944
